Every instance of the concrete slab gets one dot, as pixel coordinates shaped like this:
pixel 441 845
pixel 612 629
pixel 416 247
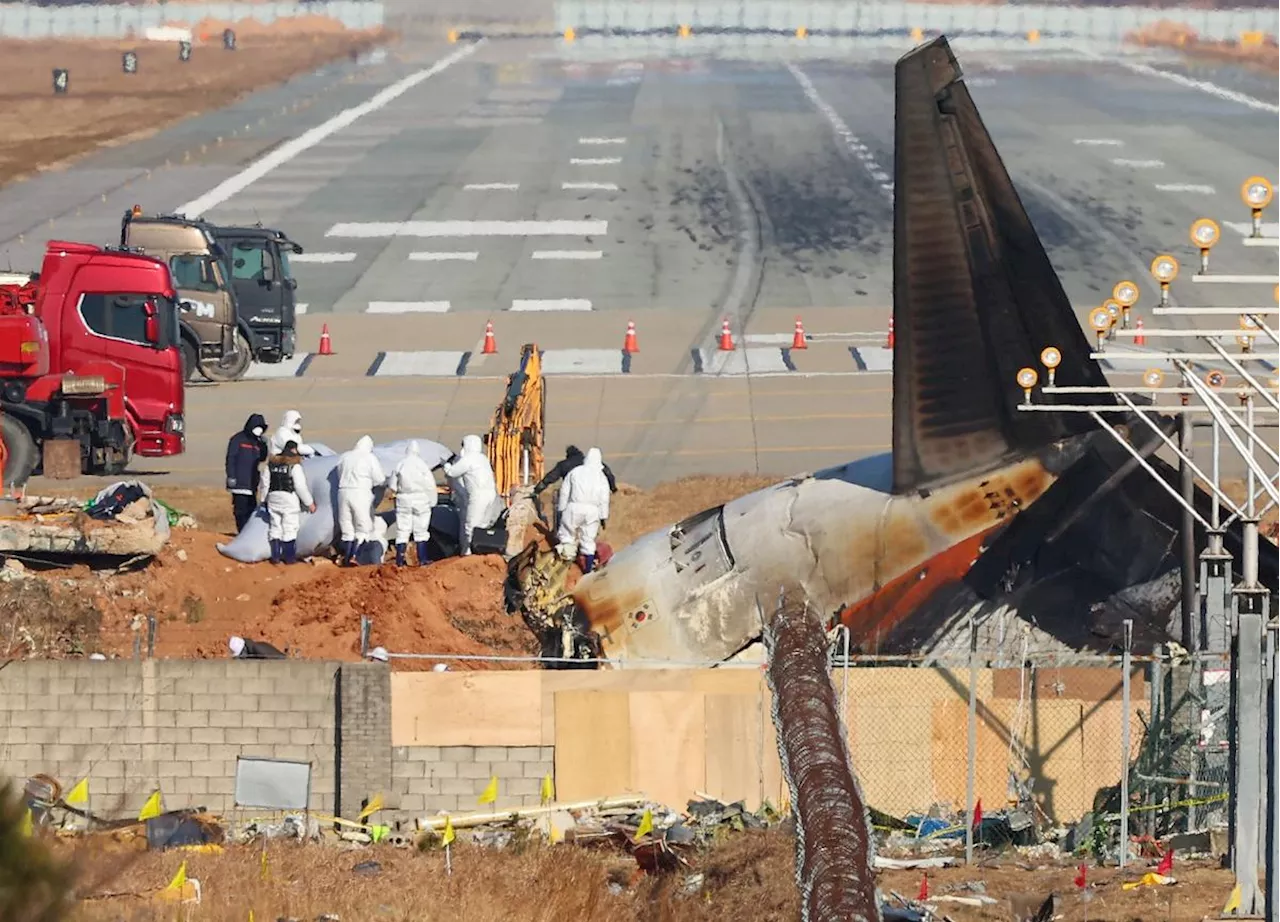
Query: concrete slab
pixel 419 364
pixel 584 362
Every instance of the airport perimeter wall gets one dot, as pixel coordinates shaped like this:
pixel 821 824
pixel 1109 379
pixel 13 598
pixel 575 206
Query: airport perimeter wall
pixel 21 20
pixel 431 741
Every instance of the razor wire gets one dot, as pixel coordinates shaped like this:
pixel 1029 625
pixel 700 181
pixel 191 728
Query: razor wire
pixel 834 846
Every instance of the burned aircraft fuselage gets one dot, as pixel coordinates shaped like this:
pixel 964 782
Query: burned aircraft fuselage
pixel 866 556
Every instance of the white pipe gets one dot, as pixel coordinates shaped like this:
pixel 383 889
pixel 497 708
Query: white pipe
pixel 1149 469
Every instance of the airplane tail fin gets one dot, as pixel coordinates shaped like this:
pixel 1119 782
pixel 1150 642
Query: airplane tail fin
pixel 975 297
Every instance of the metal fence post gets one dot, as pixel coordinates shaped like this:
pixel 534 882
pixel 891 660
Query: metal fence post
pixel 1271 899
pixel 366 628
pixel 1125 742
pixel 972 747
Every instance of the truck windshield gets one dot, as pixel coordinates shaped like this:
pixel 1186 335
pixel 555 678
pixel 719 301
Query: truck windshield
pixel 193 272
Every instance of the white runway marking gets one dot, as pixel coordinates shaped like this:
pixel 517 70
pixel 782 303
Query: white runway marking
pixel 470 229
pixel 1138 164
pixel 582 362
pixel 322 257
pixel 851 141
pixel 1203 85
pixel 440 257
pixel 589 186
pixel 300 309
pixel 1244 228
pixel 568 254
pixel 419 364
pixel 309 139
pixel 1099 142
pixel 748 361
pixel 874 358
pixel 1197 188
pixel 491 186
pixel 551 304
pixel 594 161
pixel 602 140
pixel 285 369
pixel 407 307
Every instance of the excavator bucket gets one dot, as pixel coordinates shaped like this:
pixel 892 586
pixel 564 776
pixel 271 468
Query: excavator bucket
pixel 515 437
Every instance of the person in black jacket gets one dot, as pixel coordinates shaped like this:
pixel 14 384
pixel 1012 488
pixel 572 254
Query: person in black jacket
pixel 572 458
pixel 246 451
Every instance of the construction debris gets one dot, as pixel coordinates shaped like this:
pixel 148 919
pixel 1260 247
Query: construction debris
pixel 123 520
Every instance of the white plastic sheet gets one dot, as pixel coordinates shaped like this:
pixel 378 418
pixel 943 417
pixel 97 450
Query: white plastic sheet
pixel 319 529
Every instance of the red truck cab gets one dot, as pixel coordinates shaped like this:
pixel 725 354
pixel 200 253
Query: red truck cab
pixel 89 350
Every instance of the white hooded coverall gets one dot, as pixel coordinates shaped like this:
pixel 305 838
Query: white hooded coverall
pixel 415 488
pixel 290 431
pixel 475 489
pixel 583 504
pixel 358 473
pixel 284 507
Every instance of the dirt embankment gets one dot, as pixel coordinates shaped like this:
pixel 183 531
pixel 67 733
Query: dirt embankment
pixel 313 610
pixel 1257 51
pixel 39 129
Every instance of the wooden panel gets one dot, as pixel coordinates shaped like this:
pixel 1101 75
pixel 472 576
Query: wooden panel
pixel 466 709
pixel 593 745
pixel 742 750
pixel 668 745
pixel 1079 683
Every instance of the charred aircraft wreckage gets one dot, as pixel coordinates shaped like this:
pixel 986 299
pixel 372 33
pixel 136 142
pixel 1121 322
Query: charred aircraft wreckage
pixel 980 510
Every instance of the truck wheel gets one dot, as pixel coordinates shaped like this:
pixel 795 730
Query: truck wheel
pixel 190 362
pixel 229 368
pixel 20 451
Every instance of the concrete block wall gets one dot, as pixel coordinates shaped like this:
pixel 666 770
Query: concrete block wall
pixel 435 779
pixel 363 735
pixel 173 724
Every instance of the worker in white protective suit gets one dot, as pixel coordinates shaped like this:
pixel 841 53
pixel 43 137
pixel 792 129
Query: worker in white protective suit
pixel 583 505
pixel 290 431
pixel 474 489
pixel 415 488
pixel 287 495
pixel 358 473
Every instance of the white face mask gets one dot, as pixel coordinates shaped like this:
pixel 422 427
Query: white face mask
pixel 257 430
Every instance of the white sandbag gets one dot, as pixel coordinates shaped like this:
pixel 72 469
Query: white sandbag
pixel 319 529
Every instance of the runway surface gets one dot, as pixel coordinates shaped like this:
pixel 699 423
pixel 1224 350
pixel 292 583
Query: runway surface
pixel 559 191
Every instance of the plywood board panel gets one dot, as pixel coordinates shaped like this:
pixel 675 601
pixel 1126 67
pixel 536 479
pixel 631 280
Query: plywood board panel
pixel 742 750
pixel 668 745
pixel 466 709
pixel 593 745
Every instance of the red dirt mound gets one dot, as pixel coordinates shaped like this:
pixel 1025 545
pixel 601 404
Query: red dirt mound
pixel 451 607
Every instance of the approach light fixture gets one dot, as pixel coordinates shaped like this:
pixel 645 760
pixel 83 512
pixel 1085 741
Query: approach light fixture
pixel 1256 192
pixel 1027 378
pixel 1215 379
pixel 1100 320
pixel 1153 377
pixel 1051 358
pixel 1204 234
pixel 1165 269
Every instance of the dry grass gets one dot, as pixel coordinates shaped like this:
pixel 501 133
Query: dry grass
pixel 749 877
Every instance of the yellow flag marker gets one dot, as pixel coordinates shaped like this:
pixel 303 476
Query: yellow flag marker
pixel 490 791
pixel 179 879
pixel 548 790
pixel 447 836
pixel 152 808
pixel 78 796
pixel 1233 901
pixel 374 805
pixel 28 827
pixel 645 827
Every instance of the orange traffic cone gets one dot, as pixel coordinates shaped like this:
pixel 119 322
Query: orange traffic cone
pixel 798 340
pixel 726 337
pixel 888 344
pixel 1139 338
pixel 629 344
pixel 326 344
pixel 490 344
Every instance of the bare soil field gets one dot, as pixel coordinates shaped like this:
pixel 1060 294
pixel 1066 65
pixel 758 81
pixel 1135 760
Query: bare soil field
pixel 104 105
